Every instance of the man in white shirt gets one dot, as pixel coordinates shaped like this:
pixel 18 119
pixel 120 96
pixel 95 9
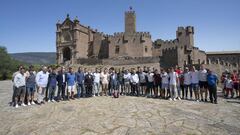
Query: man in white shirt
pixel 142 80
pixel 173 84
pixel 41 81
pixel 135 82
pixel 96 82
pixel 165 83
pixel 194 82
pixel 20 87
pixel 149 83
pixel 126 79
pixel 187 83
pixel 203 83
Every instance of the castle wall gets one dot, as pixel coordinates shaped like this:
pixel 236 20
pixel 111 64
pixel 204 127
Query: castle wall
pixel 138 44
pixel 169 57
pixel 231 57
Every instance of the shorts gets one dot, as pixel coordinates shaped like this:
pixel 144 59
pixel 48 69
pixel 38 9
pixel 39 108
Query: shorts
pixel 194 86
pixel 150 85
pixel 20 91
pixel 203 84
pixel 236 86
pixel 143 84
pixel 30 90
pixel 71 88
pixel 165 86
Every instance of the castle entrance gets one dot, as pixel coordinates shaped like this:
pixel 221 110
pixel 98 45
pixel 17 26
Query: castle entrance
pixel 66 54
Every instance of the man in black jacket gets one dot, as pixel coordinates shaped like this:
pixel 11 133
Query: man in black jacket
pixel 88 82
pixel 61 79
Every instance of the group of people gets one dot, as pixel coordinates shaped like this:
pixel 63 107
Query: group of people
pixel 52 84
pixel 231 84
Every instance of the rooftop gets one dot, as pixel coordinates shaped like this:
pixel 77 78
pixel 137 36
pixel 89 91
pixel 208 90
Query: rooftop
pixel 224 52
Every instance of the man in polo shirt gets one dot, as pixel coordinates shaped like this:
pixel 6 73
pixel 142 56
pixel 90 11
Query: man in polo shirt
pixel 203 83
pixel 173 84
pixel 212 80
pixel 194 82
pixel 42 82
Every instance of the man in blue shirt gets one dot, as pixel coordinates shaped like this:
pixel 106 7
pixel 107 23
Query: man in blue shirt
pixel 70 83
pixel 79 76
pixel 212 80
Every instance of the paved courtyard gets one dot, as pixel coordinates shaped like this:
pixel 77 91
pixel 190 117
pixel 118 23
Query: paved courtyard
pixel 126 115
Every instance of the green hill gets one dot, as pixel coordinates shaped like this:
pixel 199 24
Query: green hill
pixel 35 57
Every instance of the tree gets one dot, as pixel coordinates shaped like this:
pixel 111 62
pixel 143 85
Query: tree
pixel 7 64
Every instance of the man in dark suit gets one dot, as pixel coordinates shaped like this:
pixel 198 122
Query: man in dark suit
pixel 113 82
pixel 61 79
pixel 88 82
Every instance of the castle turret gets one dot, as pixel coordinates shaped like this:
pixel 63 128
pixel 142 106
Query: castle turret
pixel 185 36
pixel 130 21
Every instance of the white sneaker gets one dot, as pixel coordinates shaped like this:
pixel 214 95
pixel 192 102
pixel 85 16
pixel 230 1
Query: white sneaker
pixel 32 103
pixel 49 101
pixel 94 95
pixel 179 98
pixel 16 106
pixel 174 99
pixel 23 104
pixel 170 99
pixel 197 100
pixel 53 100
pixel 28 103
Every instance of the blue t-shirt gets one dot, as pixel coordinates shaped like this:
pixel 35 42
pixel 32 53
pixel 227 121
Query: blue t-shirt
pixel 212 79
pixel 70 79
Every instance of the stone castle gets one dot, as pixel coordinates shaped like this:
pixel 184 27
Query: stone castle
pixel 79 44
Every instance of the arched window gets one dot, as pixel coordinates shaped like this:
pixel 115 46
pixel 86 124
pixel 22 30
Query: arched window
pixel 66 54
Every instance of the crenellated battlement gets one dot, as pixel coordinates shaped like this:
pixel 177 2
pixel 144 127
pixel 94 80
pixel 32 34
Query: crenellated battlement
pixel 130 12
pixel 188 29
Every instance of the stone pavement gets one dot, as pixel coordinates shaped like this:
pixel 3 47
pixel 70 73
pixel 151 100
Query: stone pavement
pixel 126 115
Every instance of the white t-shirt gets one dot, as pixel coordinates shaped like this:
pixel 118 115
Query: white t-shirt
pixel 42 79
pixel 150 77
pixel 165 78
pixel 19 80
pixel 203 75
pixel 195 77
pixel 173 78
pixel 96 77
pixel 229 83
pixel 187 78
pixel 127 77
pixel 134 78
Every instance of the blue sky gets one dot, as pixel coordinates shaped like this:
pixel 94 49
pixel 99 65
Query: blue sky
pixel 30 25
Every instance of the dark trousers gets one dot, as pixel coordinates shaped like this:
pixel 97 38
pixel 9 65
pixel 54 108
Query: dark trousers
pixel 51 92
pixel 135 88
pixel 61 91
pixel 182 88
pixel 88 89
pixel 186 88
pixel 213 93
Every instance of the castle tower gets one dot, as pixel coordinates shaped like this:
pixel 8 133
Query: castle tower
pixel 130 21
pixel 185 36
